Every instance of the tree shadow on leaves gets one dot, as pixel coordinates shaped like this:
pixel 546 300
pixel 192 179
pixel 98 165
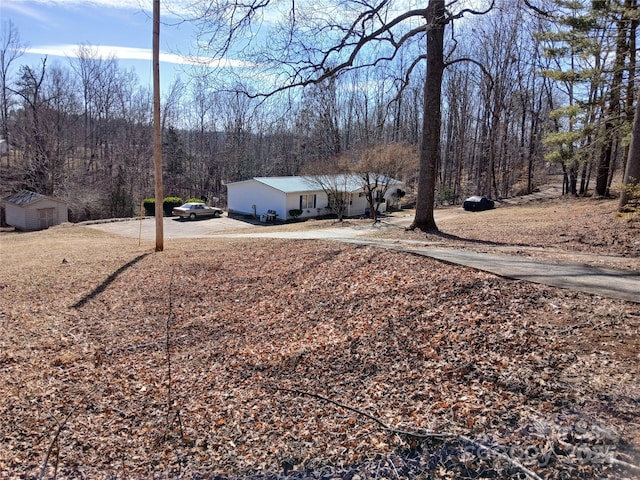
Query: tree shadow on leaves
pixel 490 243
pixel 108 281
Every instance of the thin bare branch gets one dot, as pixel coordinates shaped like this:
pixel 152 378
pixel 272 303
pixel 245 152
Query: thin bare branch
pixel 486 72
pixel 471 11
pixel 406 80
pixel 422 436
pixel 56 437
pixel 538 10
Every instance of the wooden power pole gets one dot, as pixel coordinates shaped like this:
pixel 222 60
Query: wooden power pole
pixel 157 129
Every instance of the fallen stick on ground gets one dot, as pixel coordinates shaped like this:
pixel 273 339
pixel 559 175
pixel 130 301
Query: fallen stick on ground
pixel 419 436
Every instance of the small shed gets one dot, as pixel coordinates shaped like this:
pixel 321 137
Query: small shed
pixel 29 211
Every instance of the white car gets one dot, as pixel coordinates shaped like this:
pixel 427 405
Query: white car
pixel 194 210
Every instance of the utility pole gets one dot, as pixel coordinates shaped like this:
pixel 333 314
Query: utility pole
pixel 157 130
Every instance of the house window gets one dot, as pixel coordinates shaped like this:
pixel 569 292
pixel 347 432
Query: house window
pixel 307 201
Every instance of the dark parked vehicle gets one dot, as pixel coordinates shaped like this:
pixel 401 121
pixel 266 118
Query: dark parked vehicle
pixel 477 203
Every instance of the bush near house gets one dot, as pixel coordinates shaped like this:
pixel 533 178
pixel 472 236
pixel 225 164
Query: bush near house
pixel 295 213
pixel 168 203
pixel 149 205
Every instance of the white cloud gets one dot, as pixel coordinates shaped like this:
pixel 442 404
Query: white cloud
pixel 131 53
pixel 23 9
pixel 175 6
pixel 121 4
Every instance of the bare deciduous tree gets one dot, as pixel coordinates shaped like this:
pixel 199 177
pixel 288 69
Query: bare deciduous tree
pixel 311 46
pixel 335 179
pixel 378 167
pixel 11 48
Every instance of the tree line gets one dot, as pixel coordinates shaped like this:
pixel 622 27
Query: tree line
pixel 527 87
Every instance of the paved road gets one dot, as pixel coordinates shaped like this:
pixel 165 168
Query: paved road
pixel 601 281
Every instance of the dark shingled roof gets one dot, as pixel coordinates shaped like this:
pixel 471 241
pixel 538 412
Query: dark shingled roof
pixel 24 198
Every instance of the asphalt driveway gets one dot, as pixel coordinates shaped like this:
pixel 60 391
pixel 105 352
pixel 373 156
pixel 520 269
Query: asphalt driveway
pixel 173 227
pixel 607 282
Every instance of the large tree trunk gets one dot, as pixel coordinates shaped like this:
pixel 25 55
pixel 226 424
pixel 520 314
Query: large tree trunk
pixel 431 121
pixel 632 172
pixel 629 110
pixel 604 164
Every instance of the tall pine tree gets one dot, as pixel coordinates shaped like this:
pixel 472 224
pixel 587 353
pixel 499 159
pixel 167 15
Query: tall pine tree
pixel 588 42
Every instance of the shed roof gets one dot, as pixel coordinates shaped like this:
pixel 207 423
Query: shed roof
pixel 25 197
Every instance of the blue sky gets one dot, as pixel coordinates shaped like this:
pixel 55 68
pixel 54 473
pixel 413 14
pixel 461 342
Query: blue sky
pixel 54 28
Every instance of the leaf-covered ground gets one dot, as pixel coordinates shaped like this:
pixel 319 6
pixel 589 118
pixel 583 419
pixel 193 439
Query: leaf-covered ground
pixel 219 358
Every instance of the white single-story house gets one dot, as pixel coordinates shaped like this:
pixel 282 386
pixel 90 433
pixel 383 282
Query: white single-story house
pixel 28 211
pixel 264 196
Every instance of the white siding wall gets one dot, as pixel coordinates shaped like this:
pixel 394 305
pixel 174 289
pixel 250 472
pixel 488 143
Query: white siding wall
pixel 293 203
pixel 358 204
pixel 241 196
pixel 15 216
pixel 59 214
